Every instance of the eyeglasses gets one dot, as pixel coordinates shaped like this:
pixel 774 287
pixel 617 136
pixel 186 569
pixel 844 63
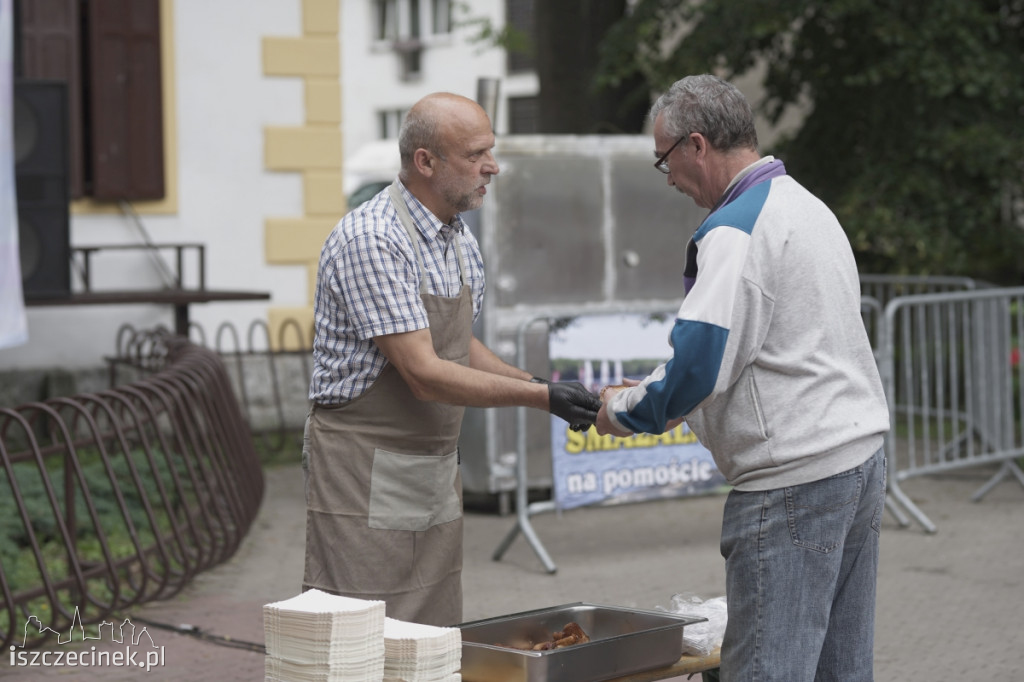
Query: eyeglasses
pixel 662 162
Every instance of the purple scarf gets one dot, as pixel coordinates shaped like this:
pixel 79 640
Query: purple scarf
pixel 772 169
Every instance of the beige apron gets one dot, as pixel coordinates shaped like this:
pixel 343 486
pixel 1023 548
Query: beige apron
pixel 384 492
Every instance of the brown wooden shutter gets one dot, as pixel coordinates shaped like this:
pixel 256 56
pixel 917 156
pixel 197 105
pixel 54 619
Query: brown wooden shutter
pixel 126 114
pixel 51 50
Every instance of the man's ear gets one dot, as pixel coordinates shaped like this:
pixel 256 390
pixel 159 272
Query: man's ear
pixel 424 161
pixel 700 144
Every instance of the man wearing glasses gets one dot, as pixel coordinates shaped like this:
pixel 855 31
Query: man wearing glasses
pixel 399 284
pixel 772 369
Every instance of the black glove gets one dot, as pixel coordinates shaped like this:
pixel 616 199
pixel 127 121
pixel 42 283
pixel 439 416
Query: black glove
pixel 571 401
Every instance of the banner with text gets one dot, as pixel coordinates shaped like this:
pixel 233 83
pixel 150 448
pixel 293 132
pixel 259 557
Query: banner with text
pixel 589 469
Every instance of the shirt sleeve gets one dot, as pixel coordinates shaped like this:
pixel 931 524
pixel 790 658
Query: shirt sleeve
pixel 699 337
pixel 379 280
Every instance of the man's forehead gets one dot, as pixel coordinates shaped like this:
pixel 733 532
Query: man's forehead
pixel 473 143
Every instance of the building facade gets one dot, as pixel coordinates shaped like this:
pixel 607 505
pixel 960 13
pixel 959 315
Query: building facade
pixel 255 110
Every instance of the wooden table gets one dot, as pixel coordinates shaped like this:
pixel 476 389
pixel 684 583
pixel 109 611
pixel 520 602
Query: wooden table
pixel 687 665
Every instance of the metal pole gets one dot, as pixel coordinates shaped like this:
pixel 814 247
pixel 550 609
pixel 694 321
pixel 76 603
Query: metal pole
pixel 487 97
pixel 523 508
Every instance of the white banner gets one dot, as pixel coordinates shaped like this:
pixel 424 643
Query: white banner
pixel 13 324
pixel 588 469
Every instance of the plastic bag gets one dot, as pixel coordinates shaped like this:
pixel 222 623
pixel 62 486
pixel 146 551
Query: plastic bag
pixel 700 639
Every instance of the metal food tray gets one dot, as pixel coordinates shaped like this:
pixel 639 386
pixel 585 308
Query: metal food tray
pixel 623 641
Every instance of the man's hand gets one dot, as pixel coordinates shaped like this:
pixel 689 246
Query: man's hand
pixel 604 422
pixel 571 401
pixel 605 426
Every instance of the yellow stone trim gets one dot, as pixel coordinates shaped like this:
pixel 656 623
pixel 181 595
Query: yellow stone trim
pixel 290 328
pixel 320 16
pixel 169 204
pixel 311 278
pixel 314 149
pixel 306 56
pixel 323 195
pixel 296 149
pixel 295 240
pixel 323 101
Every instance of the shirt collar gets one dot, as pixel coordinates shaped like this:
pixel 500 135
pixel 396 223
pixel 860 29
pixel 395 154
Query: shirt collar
pixel 748 170
pixel 426 222
pixel 763 169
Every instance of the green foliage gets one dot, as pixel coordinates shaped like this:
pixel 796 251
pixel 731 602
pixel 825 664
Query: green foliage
pixel 912 134
pixel 18 561
pixel 278 448
pixel 485 34
pixel 127 531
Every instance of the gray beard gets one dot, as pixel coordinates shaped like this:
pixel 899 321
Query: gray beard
pixel 464 202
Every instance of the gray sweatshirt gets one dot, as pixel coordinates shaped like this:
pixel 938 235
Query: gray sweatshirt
pixel 771 364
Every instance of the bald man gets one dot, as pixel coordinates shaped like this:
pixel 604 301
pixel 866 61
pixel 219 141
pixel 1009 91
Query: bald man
pixel 399 284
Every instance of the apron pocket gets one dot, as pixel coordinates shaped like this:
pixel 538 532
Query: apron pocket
pixel 413 492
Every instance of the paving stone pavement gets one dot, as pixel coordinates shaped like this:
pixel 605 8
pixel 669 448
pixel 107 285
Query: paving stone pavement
pixel 949 603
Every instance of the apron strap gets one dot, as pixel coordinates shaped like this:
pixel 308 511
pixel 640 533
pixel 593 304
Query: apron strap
pixel 458 255
pixel 404 217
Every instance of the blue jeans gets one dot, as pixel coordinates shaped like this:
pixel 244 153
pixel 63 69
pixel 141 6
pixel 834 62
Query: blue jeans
pixel 801 565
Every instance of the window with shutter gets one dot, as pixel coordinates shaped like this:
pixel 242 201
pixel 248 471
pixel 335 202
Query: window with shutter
pixel 441 16
pixel 51 50
pixel 108 52
pixel 519 15
pixel 124 94
pixel 522 115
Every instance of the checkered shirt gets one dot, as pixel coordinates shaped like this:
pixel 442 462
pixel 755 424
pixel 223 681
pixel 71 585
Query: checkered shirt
pixel 368 285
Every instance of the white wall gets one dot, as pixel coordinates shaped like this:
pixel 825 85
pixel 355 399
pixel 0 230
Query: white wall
pixel 223 102
pixel 224 194
pixel 371 69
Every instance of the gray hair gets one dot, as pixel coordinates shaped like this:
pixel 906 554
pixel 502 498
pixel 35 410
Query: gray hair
pixel 417 131
pixel 710 106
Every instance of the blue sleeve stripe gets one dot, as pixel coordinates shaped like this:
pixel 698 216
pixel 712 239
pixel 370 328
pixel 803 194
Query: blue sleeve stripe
pixel 690 377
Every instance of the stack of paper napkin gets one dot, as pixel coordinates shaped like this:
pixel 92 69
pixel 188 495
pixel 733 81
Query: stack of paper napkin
pixel 322 637
pixel 421 653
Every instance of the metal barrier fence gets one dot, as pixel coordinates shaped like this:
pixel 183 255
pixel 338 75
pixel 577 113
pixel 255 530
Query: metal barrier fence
pixel 120 497
pixel 871 313
pixel 272 383
pixel 877 290
pixel 950 363
pixel 270 376
pixel 884 288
